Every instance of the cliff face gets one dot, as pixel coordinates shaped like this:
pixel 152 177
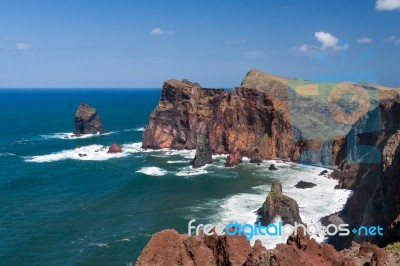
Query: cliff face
pixel 253 119
pixel 269 117
pixel 376 198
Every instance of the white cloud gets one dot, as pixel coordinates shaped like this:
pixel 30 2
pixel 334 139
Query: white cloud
pixel 341 47
pixel 391 38
pixel 234 42
pixel 254 54
pixel 22 46
pixel 326 39
pixel 158 31
pixel 387 5
pixel 364 40
pixel 307 48
pixel 397 42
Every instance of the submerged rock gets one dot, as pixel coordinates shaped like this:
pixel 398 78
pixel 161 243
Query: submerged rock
pixel 114 148
pixel 256 159
pixel 303 184
pixel 323 172
pixel 279 204
pixel 87 121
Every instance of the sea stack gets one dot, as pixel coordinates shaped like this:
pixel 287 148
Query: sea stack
pixel 279 204
pixel 87 121
pixel 203 149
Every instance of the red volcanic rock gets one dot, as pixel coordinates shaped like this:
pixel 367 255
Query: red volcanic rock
pixel 170 248
pixel 233 159
pixel 114 148
pixel 87 121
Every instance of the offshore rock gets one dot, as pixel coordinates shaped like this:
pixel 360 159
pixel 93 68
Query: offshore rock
pixel 87 121
pixel 279 204
pixel 303 184
pixel 203 149
pixel 233 159
pixel 114 148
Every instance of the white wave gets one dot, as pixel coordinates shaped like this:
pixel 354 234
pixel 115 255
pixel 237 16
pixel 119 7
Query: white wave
pixel 7 154
pixel 101 245
pixel 140 129
pixel 153 171
pixel 191 171
pixel 71 135
pixel 179 161
pixel 314 203
pixel 86 153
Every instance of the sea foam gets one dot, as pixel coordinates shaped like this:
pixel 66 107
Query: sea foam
pixel 86 153
pixel 314 203
pixel 152 171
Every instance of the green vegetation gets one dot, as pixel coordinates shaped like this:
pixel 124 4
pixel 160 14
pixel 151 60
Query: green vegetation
pixel 394 247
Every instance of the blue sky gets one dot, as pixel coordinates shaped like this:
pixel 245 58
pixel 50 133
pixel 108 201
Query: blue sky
pixel 139 44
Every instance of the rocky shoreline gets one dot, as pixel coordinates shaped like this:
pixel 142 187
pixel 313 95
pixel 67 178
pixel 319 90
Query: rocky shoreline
pixel 270 117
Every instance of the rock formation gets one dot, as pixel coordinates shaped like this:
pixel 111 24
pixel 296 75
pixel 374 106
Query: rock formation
pixel 272 167
pixel 114 148
pixel 170 248
pixel 203 149
pixel 87 121
pixel 233 159
pixel 279 204
pixel 271 117
pixel 303 184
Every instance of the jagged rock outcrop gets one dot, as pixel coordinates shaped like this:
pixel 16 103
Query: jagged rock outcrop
pixel 203 149
pixel 279 204
pixel 114 148
pixel 233 159
pixel 170 248
pixel 87 121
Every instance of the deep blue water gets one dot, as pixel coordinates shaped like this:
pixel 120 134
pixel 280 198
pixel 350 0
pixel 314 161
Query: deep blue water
pixel 59 209
pixel 71 211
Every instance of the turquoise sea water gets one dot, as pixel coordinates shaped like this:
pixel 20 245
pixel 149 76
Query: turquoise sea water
pixel 57 208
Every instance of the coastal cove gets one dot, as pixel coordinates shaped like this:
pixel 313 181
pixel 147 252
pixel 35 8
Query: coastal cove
pixel 67 209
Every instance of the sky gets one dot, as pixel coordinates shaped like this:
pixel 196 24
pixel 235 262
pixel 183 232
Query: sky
pixel 140 44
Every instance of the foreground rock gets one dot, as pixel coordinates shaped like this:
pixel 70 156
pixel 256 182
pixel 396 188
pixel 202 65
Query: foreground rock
pixel 279 204
pixel 233 159
pixel 303 184
pixel 203 149
pixel 170 248
pixel 87 121
pixel 114 148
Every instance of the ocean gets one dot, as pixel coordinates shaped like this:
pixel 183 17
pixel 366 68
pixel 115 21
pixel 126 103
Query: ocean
pixel 57 208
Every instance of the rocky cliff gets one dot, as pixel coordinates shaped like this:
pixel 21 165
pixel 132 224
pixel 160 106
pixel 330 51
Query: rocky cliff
pixel 350 126
pixel 87 121
pixel 266 117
